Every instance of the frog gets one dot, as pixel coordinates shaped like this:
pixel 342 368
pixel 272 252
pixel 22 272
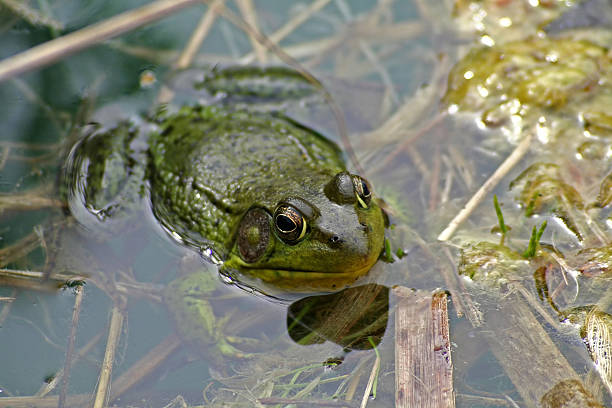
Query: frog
pixel 265 198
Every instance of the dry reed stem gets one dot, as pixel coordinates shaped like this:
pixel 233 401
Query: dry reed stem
pixel 106 370
pixel 76 312
pixel 511 161
pixel 199 35
pixel 193 45
pixel 250 17
pixel 51 51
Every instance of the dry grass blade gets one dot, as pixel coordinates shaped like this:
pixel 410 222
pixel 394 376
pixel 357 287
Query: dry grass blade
pixel 109 357
pixel 54 50
pixel 516 155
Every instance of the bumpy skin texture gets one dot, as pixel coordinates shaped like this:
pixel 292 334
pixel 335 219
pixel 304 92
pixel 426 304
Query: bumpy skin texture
pixel 209 165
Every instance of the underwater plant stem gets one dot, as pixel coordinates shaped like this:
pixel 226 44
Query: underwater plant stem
pixel 51 51
pixel 76 312
pixel 514 157
pixel 47 388
pixel 143 367
pixel 114 332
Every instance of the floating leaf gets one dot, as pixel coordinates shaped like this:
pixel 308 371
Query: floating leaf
pixel 543 192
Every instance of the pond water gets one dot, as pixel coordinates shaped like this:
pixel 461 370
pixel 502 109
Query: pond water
pixel 436 95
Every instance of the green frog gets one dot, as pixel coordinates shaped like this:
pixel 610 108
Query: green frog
pixel 266 198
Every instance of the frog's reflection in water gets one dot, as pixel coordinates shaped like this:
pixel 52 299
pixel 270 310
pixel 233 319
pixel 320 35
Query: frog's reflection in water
pixel 354 318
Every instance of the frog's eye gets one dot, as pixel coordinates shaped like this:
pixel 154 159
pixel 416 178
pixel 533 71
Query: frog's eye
pixel 362 191
pixel 290 224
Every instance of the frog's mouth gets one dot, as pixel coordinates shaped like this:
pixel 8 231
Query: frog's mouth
pixel 301 279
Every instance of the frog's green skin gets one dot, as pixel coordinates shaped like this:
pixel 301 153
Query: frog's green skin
pixel 226 180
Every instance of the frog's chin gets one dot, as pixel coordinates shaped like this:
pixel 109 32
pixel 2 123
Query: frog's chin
pixel 301 280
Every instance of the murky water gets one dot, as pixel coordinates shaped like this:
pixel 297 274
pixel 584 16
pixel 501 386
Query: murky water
pixel 436 95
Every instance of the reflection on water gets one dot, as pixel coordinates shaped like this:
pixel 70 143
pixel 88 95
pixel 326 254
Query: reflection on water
pixel 354 318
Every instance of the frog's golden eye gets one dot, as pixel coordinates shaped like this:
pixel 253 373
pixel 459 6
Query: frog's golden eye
pixel 362 191
pixel 290 224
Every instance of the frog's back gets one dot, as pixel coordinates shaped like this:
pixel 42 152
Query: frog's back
pixel 210 164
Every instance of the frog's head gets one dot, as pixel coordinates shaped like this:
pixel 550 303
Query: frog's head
pixel 321 240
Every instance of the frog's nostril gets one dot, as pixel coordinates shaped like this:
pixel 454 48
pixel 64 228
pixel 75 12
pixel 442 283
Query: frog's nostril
pixel 335 241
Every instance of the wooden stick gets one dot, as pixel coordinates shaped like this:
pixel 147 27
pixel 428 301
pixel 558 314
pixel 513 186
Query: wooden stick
pixel 54 50
pixel 516 155
pixel 423 366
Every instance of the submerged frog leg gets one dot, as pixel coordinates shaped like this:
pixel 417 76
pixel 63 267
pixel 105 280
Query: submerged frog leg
pixel 187 301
